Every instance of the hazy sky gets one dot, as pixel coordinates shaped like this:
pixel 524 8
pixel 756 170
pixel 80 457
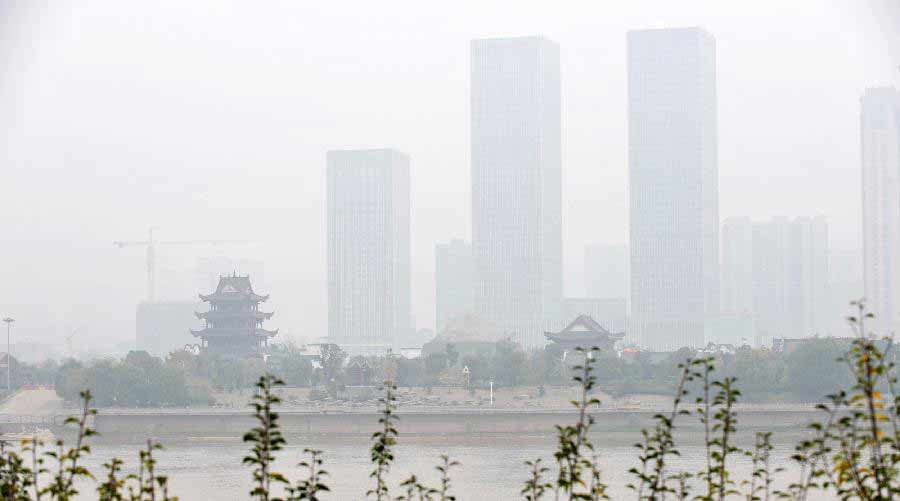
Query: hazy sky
pixel 211 119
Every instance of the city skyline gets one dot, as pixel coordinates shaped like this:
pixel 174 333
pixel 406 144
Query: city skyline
pixel 121 191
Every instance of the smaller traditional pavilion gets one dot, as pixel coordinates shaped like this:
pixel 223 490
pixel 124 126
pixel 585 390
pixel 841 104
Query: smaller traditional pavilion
pixel 585 332
pixel 234 323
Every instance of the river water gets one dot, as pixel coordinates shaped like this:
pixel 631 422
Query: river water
pixel 491 466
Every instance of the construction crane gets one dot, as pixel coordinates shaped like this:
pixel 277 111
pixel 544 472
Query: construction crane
pixel 151 244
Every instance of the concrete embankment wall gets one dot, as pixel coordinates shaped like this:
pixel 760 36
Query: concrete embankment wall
pixel 231 426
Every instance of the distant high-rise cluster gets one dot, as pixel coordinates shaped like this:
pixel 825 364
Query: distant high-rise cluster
pixel 673 186
pixel 368 248
pixel 880 136
pixel 516 184
pixel 776 273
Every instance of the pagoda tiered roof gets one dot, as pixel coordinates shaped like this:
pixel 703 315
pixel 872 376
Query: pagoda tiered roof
pixel 234 288
pixel 233 324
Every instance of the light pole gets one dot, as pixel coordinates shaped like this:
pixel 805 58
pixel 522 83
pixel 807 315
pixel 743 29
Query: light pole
pixel 9 321
pixel 492 392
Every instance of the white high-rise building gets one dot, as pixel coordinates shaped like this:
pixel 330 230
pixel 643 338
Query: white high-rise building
pixel 673 186
pixel 516 184
pixel 368 247
pixel 453 282
pixel 880 136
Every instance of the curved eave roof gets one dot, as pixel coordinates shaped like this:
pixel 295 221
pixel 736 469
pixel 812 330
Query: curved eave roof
pixel 212 315
pixel 227 298
pixel 223 332
pixel 569 337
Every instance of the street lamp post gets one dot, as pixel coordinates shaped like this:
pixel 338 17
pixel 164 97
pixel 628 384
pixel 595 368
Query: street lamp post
pixel 9 321
pixel 492 392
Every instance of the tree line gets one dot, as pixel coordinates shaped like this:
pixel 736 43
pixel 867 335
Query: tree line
pixel 185 379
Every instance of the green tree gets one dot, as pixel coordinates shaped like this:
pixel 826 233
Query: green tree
pixel 331 360
pixel 509 364
pixel 810 368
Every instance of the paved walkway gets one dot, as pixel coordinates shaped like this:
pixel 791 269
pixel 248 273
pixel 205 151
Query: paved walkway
pixel 33 403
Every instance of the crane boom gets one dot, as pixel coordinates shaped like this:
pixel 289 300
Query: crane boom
pixel 151 244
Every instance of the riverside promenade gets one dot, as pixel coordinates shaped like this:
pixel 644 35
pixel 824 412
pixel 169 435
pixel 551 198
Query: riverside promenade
pixel 43 407
pixel 212 424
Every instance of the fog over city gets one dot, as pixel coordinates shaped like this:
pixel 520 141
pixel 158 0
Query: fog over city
pixel 398 250
pixel 210 120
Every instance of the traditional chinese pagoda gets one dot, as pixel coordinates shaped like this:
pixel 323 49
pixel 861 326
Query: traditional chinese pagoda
pixel 585 332
pixel 234 322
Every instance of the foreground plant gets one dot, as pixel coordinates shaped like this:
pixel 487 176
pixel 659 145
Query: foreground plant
pixel 266 438
pixel 659 445
pixel 68 467
pixel 760 483
pixel 444 468
pixel 535 487
pixel 578 474
pixel 113 483
pixel 722 445
pixel 383 441
pixel 311 487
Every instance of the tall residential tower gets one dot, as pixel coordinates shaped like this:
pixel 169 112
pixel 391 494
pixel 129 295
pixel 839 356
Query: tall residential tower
pixel 880 136
pixel 673 189
pixel 368 248
pixel 516 184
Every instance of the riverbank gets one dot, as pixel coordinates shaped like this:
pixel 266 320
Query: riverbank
pixel 226 426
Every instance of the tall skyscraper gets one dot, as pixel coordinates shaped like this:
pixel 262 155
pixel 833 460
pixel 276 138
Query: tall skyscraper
pixel 368 247
pixel 516 184
pixel 453 282
pixel 605 271
pixel 880 137
pixel 673 188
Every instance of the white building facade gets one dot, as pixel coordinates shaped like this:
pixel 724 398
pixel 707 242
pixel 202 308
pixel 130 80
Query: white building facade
pixel 673 187
pixel 368 247
pixel 880 148
pixel 516 184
